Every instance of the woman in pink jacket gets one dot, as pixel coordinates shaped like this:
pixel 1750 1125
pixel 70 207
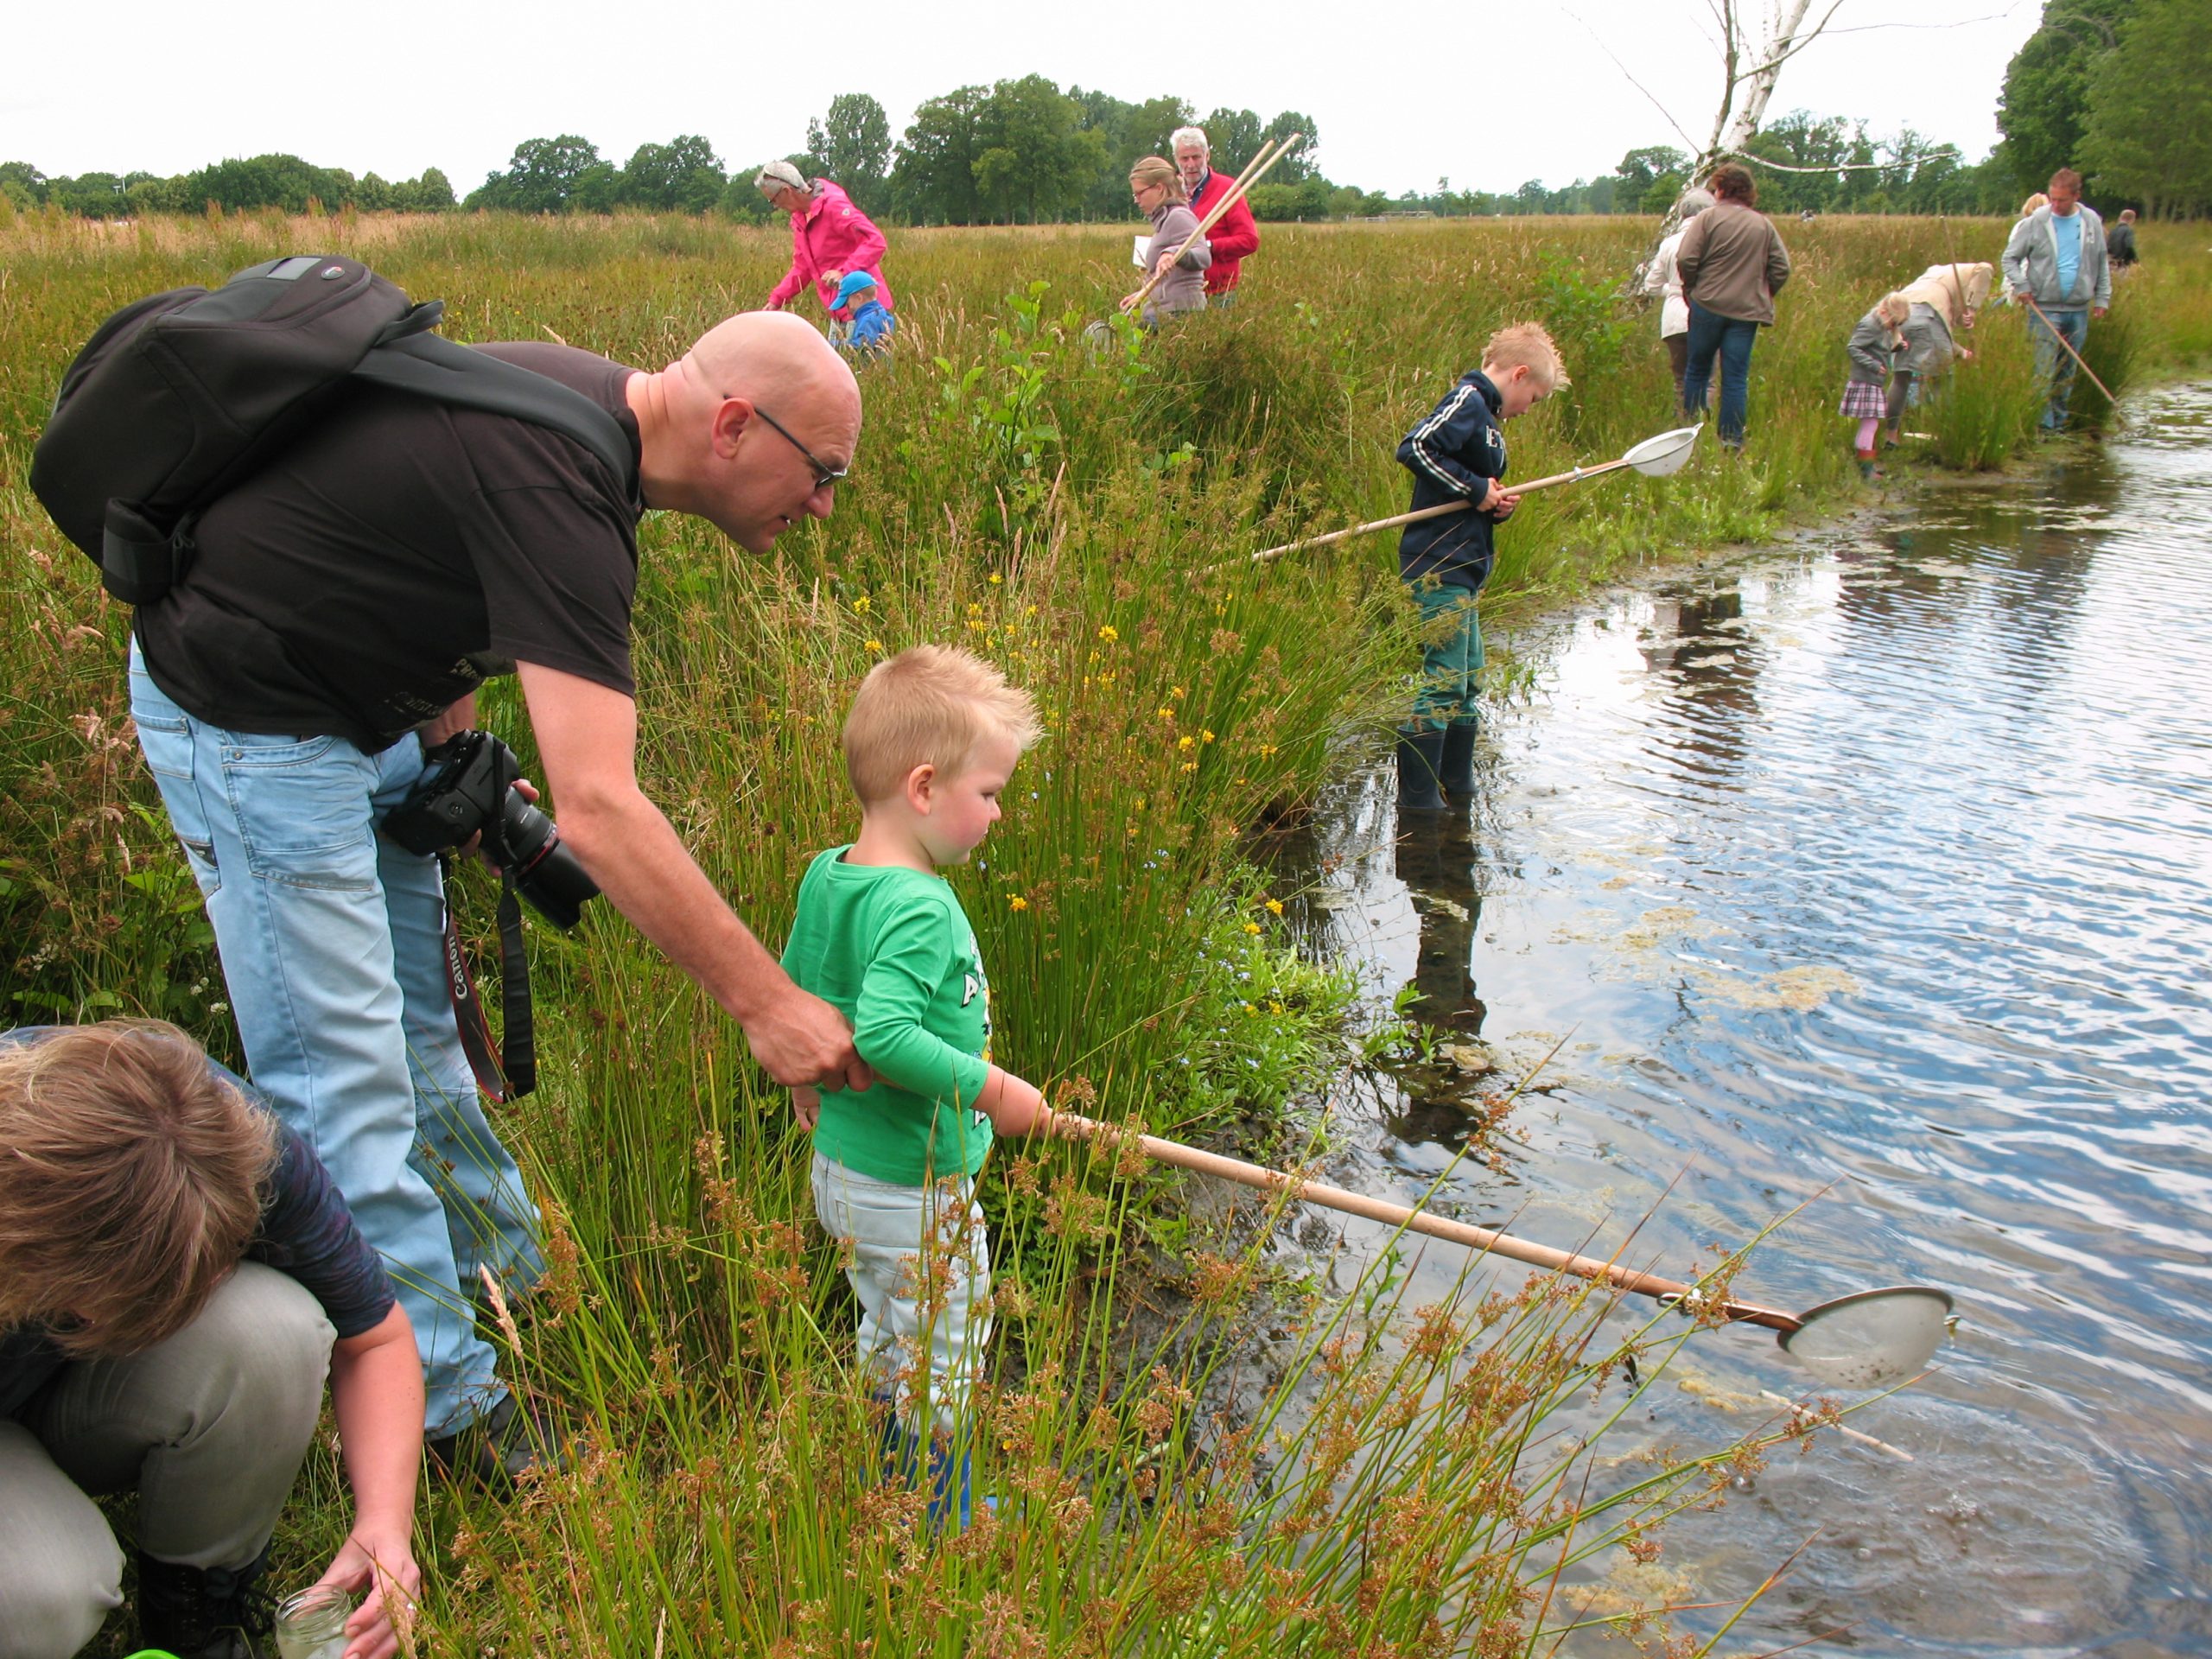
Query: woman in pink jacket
pixel 829 237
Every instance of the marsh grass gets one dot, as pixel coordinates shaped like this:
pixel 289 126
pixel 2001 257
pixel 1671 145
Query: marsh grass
pixel 1408 1482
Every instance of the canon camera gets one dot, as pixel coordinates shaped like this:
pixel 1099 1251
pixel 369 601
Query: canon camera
pixel 469 788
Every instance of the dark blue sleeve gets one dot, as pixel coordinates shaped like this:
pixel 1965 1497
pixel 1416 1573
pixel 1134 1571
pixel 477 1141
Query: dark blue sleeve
pixel 1451 449
pixel 308 1233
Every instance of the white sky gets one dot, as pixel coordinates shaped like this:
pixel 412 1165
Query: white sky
pixel 1487 95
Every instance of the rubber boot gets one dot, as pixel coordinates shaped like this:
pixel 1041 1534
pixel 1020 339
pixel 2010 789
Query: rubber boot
pixel 1420 762
pixel 1457 772
pixel 211 1613
pixel 949 1478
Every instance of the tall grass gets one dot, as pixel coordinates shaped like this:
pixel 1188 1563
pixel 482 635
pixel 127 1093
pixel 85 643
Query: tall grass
pixel 1403 1482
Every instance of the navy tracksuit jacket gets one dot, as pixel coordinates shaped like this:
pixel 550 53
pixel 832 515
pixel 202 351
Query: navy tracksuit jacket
pixel 1454 453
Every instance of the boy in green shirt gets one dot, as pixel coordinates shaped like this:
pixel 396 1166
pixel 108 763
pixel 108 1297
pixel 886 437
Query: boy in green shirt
pixel 932 738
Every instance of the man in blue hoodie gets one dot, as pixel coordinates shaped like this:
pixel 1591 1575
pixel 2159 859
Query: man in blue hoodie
pixel 1457 456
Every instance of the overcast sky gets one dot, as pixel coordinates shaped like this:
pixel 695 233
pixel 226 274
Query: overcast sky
pixel 1487 95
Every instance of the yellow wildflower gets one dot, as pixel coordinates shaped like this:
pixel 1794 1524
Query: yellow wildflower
pixel 1188 765
pixel 863 605
pixel 1167 714
pixel 873 644
pixel 1251 927
pixel 1017 902
pixel 1186 741
pixel 996 578
pixel 1274 906
pixel 1204 736
pixel 1108 632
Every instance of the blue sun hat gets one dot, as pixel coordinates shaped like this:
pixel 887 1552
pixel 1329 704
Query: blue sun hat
pixel 855 282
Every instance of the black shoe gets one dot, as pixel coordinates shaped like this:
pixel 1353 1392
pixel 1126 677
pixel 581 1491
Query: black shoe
pixel 1457 771
pixel 497 1449
pixel 204 1612
pixel 1420 760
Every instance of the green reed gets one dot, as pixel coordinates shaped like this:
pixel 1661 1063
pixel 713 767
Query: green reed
pixel 1404 1481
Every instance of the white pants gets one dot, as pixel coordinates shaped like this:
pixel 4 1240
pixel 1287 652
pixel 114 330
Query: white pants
pixel 920 1265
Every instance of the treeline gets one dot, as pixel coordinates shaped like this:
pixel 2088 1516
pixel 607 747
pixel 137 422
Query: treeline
pixel 2122 90
pixel 280 182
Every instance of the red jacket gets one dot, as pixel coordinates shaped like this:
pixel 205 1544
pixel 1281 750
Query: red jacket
pixel 831 235
pixel 1234 236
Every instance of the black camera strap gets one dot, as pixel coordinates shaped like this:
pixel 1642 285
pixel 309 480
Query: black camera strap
pixel 518 1033
pixel 510 1070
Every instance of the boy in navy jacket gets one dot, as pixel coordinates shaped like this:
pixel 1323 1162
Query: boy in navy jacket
pixel 1456 456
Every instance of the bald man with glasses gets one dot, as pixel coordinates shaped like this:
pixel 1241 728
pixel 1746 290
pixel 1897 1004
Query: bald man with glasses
pixel 343 606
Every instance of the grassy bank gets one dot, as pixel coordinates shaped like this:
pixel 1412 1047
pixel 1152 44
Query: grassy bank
pixel 1062 516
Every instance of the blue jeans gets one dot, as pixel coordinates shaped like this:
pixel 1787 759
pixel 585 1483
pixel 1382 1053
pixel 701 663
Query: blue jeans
pixel 1732 338
pixel 1450 657
pixel 2053 365
pixel 332 940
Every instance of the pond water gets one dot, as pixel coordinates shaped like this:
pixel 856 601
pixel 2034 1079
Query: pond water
pixel 1869 870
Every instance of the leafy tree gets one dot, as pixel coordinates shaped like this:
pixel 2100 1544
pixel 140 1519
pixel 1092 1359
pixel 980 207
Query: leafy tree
pixel 432 193
pixel 2149 124
pixel 853 144
pixel 2044 108
pixel 22 184
pixel 540 177
pixel 1299 165
pixel 1639 173
pixel 1235 136
pixel 1033 156
pixel 933 180
pixel 682 176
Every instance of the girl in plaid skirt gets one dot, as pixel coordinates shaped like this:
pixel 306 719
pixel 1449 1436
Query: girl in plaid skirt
pixel 1876 339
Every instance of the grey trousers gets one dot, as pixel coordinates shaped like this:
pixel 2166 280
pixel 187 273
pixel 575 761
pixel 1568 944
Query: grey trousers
pixel 209 1428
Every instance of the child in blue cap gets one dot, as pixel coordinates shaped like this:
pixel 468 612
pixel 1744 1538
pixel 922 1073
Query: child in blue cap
pixel 868 324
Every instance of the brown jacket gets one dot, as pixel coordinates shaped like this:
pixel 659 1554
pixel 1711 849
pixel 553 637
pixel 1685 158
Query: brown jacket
pixel 1731 262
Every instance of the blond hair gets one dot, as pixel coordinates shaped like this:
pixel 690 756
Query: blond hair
pixel 929 706
pixel 2037 200
pixel 1158 169
pixel 1530 344
pixel 1893 308
pixel 129 1183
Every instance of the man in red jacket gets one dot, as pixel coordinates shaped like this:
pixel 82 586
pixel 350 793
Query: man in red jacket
pixel 1235 238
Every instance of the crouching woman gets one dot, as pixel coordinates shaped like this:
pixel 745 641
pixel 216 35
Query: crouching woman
pixel 177 1276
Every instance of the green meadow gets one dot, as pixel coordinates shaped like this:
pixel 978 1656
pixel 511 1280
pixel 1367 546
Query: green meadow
pixel 1410 1485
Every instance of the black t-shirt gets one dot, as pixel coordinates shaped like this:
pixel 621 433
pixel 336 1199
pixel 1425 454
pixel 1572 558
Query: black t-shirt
pixel 396 555
pixel 305 1233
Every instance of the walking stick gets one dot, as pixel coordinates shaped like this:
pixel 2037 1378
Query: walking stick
pixel 1868 1339
pixel 1254 172
pixel 2071 352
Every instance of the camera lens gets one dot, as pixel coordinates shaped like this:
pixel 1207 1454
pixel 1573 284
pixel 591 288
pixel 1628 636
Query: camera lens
pixel 544 872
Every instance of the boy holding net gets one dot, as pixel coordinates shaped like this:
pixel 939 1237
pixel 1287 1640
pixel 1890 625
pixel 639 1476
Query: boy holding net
pixel 933 736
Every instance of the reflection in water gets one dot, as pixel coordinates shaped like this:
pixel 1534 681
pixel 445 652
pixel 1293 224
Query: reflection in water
pixel 1873 873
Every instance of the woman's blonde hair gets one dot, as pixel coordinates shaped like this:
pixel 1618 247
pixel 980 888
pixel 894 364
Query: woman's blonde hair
pixel 1158 169
pixel 1527 342
pixel 929 706
pixel 1893 308
pixel 130 1183
pixel 2033 202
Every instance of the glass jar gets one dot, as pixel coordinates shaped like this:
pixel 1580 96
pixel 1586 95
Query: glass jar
pixel 311 1625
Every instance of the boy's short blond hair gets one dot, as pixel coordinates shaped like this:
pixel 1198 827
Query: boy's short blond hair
pixel 1529 343
pixel 129 1185
pixel 929 706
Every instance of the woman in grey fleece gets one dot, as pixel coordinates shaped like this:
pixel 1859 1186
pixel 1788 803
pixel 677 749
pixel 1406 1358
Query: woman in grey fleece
pixel 1158 188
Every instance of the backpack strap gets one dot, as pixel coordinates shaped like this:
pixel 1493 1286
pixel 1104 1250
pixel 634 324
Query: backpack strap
pixel 446 371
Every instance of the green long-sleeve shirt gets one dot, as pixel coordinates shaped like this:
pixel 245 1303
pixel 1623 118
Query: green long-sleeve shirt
pixel 890 949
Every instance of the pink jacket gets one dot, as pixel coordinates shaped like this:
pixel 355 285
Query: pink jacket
pixel 831 235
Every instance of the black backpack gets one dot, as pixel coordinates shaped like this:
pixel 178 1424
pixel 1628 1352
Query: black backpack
pixel 181 396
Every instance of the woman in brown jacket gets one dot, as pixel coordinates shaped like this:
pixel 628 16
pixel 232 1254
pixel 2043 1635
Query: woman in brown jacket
pixel 1731 264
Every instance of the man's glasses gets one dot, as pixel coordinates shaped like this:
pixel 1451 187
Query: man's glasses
pixel 825 474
